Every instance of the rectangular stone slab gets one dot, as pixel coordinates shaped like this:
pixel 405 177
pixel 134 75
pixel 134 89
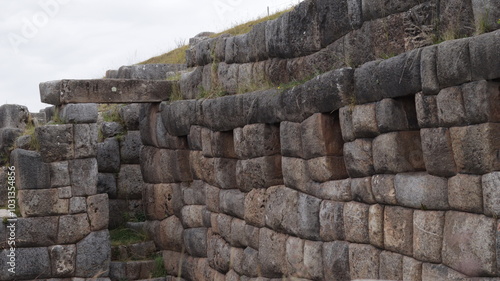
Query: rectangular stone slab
pixel 105 91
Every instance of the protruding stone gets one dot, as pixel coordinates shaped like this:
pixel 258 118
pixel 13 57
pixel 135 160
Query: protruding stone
pixel 56 142
pixel 79 113
pixel 259 172
pixel 72 228
pixel 291 139
pixel 130 148
pixel 272 249
pixel 321 136
pixel 398 152
pixel 63 260
pixel 257 140
pixel 359 158
pixel 98 211
pixel 421 191
pixel 364 121
pixel 398 230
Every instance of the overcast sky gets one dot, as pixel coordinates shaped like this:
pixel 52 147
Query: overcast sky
pixel 44 40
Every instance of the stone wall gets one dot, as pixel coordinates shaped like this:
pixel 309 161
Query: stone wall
pixel 63 228
pixel 387 171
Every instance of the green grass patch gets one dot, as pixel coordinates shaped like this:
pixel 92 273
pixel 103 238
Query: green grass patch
pixel 126 236
pixel 159 268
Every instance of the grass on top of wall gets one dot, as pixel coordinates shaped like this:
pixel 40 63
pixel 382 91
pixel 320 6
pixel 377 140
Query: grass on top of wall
pixel 126 236
pixel 178 55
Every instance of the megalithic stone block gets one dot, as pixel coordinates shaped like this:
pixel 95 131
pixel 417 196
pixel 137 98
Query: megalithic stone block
pixel 105 91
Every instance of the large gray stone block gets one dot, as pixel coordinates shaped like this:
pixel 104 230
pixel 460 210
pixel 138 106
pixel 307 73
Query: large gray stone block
pixel 398 230
pixel 321 136
pixel 363 261
pixel 331 217
pixel 108 156
pixel 255 207
pixel 232 202
pixel 219 253
pixel 272 250
pixel 98 211
pixel 130 116
pixel 438 152
pixel 339 190
pixel 359 158
pixel 374 9
pixel 400 75
pixel 36 232
pixel 383 189
pixel 484 55
pixel 130 148
pixel 43 202
pixel 391 266
pixel 326 168
pixel 398 152
pixel 491 194
pixel 481 101
pixel 337 256
pixel 431 271
pixel 56 142
pixel 356 222
pixel 469 243
pixel 391 116
pixel 428 70
pixel 195 240
pixel 13 116
pixel 31 172
pixel 466 194
pixel 304 258
pixel 427 111
pixel 93 255
pixel 257 140
pixel 291 139
pixel 428 235
pixel 420 190
pixel 282 216
pixel 259 172
pixel 451 109
pixel 376 225
pixel 63 260
pixel 72 228
pixel 361 190
pixel 85 140
pixel 83 174
pixel 111 129
pixel 79 113
pixel 130 183
pixel 453 63
pixel 178 116
pixel 30 263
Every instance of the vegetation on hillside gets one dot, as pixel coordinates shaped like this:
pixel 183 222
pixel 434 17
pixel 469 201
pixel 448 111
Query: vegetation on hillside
pixel 178 55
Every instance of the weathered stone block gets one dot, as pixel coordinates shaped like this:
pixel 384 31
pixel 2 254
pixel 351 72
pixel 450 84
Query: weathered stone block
pixel 63 260
pixel 255 207
pixel 304 258
pixel 106 183
pixel 93 255
pixel 376 225
pixel 412 269
pixel 238 237
pixel 225 173
pixel 321 136
pixel 327 168
pixel 111 129
pixel 194 138
pixel 31 263
pixel 364 121
pixel 391 116
pixel 130 183
pixel 65 192
pixel 272 249
pixel 77 205
pixel 346 123
pixel 337 256
pixel 219 253
pixel 108 156
pixel 363 261
pixel 79 113
pixel 291 139
pixel 295 173
pixel 428 235
pixel 358 158
pixel 438 152
pixel 83 174
pixel 308 225
pixel 39 203
pixel 130 148
pixel 398 152
pixel 453 64
pixel 451 109
pixel 427 111
pixel 259 172
pixel 130 116
pixel 34 232
pixel 31 172
pixel 356 217
pixel 491 194
pixel 398 230
pixel 281 209
pixel 194 193
pixel 331 219
pixel 98 211
pixel 148 118
pixel 420 190
pixel 476 148
pixel 391 266
pixel 85 140
pixel 171 234
pixel 195 240
pixel 432 271
pixel 467 244
pixel 339 190
pixel 484 56
pixel 218 144
pixel 13 116
pixel 481 101
pixel 465 193
pixel 59 174
pixel 361 189
pixel 383 189
pixel 257 140
pixel 232 202
pixel 72 228
pixel 428 71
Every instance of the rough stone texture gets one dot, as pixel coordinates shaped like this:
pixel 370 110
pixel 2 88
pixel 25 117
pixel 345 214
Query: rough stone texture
pixel 282 216
pixel 364 121
pixel 376 225
pixel 428 235
pixel 31 263
pixel 420 190
pixel 291 139
pixel 59 174
pixel 432 271
pixel 130 183
pixel 358 158
pixel 391 266
pixel 85 140
pixel 35 232
pixel 391 116
pixel 491 194
pixel 476 148
pixel 225 173
pixel 13 116
pixel 453 63
pixel 77 205
pixel 272 249
pixel 218 144
pixel 484 55
pixel 428 71
pixel 56 142
pixel 79 113
pixel 255 207
pixel 383 189
pixel 130 116
pixel 295 173
pixel 304 258
pixel 192 216
pixel 438 152
pixel 346 125
pixel 321 136
pixel 98 211
pixel 195 240
pixel 398 230
pixel 481 101
pixel 31 172
pixel 63 259
pixel 232 202
pixel 356 217
pixel 451 109
pixel 72 228
pixel 465 193
pixel 93 255
pixel 412 269
pixel 259 172
pixel 398 152
pixel 106 183
pixel 41 203
pixel 427 111
pixel 83 174
pixel 327 168
pixel 331 218
pixel 364 261
pixel 339 190
pixel 111 129
pixel 170 234
pixel 361 189
pixel 336 260
pixel 257 140
pixel 308 224
pixel 108 156
pixel 468 240
pixel 130 147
